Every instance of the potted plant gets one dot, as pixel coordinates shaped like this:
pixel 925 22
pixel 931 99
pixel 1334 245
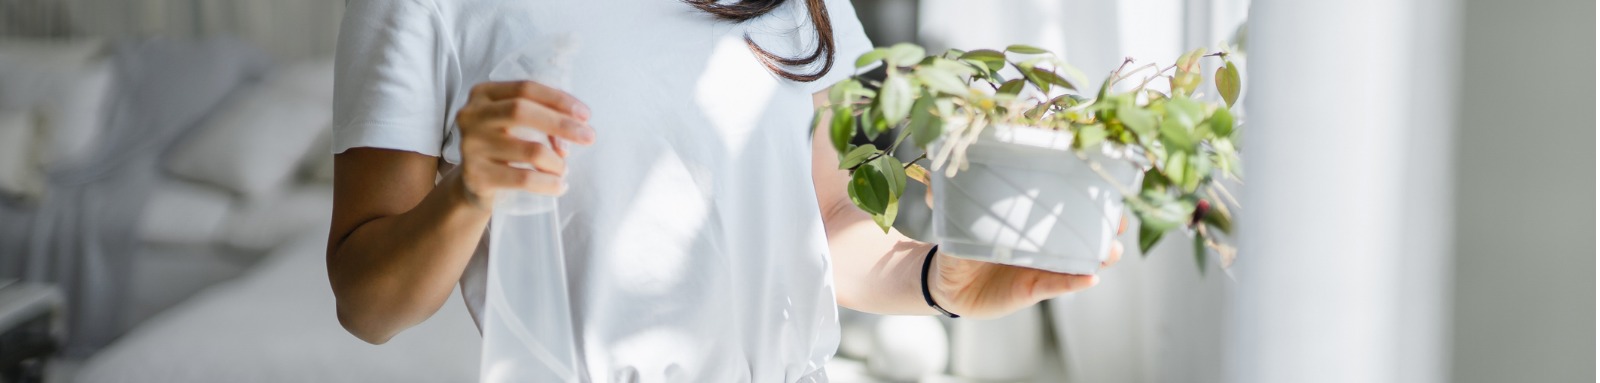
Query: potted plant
pixel 1030 170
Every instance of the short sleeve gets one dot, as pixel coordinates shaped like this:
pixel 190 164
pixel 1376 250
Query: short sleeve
pixel 390 85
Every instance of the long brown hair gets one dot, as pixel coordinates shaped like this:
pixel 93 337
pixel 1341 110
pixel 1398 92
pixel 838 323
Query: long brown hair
pixel 749 9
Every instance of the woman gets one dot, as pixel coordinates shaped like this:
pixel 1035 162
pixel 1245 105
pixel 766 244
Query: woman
pixel 707 238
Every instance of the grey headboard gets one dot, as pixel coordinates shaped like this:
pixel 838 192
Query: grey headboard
pixel 288 29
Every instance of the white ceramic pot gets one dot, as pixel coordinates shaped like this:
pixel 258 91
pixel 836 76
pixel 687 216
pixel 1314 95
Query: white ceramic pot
pixel 1025 199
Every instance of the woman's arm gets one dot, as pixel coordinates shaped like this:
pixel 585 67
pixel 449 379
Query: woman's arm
pixel 398 242
pixel 882 273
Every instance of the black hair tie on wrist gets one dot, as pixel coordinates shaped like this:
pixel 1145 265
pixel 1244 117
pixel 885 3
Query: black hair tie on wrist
pixel 927 263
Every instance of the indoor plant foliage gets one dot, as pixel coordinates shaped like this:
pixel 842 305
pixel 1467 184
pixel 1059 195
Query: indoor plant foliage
pixel 1178 140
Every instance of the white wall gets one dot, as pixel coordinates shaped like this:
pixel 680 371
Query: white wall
pixel 1524 285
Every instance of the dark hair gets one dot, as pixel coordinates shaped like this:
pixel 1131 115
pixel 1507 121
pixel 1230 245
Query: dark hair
pixel 749 9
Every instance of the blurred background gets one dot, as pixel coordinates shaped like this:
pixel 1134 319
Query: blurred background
pixel 1420 206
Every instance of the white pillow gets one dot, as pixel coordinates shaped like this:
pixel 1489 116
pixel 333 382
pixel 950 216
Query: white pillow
pixel 184 213
pixel 264 224
pixel 20 174
pixel 254 142
pixel 67 82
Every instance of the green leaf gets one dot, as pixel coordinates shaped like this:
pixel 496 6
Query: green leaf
pixel 1153 182
pixel 1159 212
pixel 958 68
pixel 894 172
pixel 1218 219
pixel 1105 88
pixel 1052 78
pixel 895 98
pixel 836 93
pixel 1026 49
pixel 868 122
pixel 992 59
pixel 1012 87
pixel 942 80
pixel 871 57
pixel 953 53
pixel 946 107
pixel 918 173
pixel 1197 169
pixel 1139 120
pixel 885 220
pixel 1221 122
pixel 856 156
pixel 1227 156
pixel 1227 79
pixel 1034 77
pixel 1176 165
pixel 1183 83
pixel 1090 135
pixel 1148 237
pixel 904 54
pixel 816 119
pixel 869 190
pixel 1175 136
pixel 1187 112
pixel 842 129
pixel 925 126
pixel 1190 62
pixel 1200 253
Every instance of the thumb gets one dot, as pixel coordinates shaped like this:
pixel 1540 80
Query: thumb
pixel 1050 285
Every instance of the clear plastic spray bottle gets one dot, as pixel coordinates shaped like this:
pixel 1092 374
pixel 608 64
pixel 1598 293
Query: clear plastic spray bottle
pixel 527 323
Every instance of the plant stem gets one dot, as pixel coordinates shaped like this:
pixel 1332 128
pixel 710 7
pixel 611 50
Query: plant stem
pixel 1095 166
pixel 1228 253
pixel 874 156
pixel 1226 194
pixel 1220 206
pixel 1141 68
pixel 1125 62
pixel 1146 82
pixel 913 161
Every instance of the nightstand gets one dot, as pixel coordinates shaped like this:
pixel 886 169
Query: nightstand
pixel 31 325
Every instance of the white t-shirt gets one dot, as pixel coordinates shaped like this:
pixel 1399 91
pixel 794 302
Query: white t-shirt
pixel 694 245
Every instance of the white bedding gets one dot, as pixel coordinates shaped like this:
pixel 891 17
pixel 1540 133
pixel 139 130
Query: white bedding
pixel 276 323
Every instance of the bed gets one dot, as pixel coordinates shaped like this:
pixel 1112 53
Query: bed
pixel 276 323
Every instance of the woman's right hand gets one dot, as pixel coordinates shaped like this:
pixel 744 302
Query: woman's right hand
pixel 500 128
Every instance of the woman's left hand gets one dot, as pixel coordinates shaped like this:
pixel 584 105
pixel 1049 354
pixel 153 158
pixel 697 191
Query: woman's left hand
pixel 977 289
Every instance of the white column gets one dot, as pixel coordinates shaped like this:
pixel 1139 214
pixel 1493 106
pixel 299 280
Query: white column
pixel 1344 242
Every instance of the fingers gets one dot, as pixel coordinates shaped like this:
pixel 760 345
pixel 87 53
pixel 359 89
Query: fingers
pixel 532 91
pixel 506 113
pixel 508 148
pixel 1114 256
pixel 504 176
pixel 561 149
